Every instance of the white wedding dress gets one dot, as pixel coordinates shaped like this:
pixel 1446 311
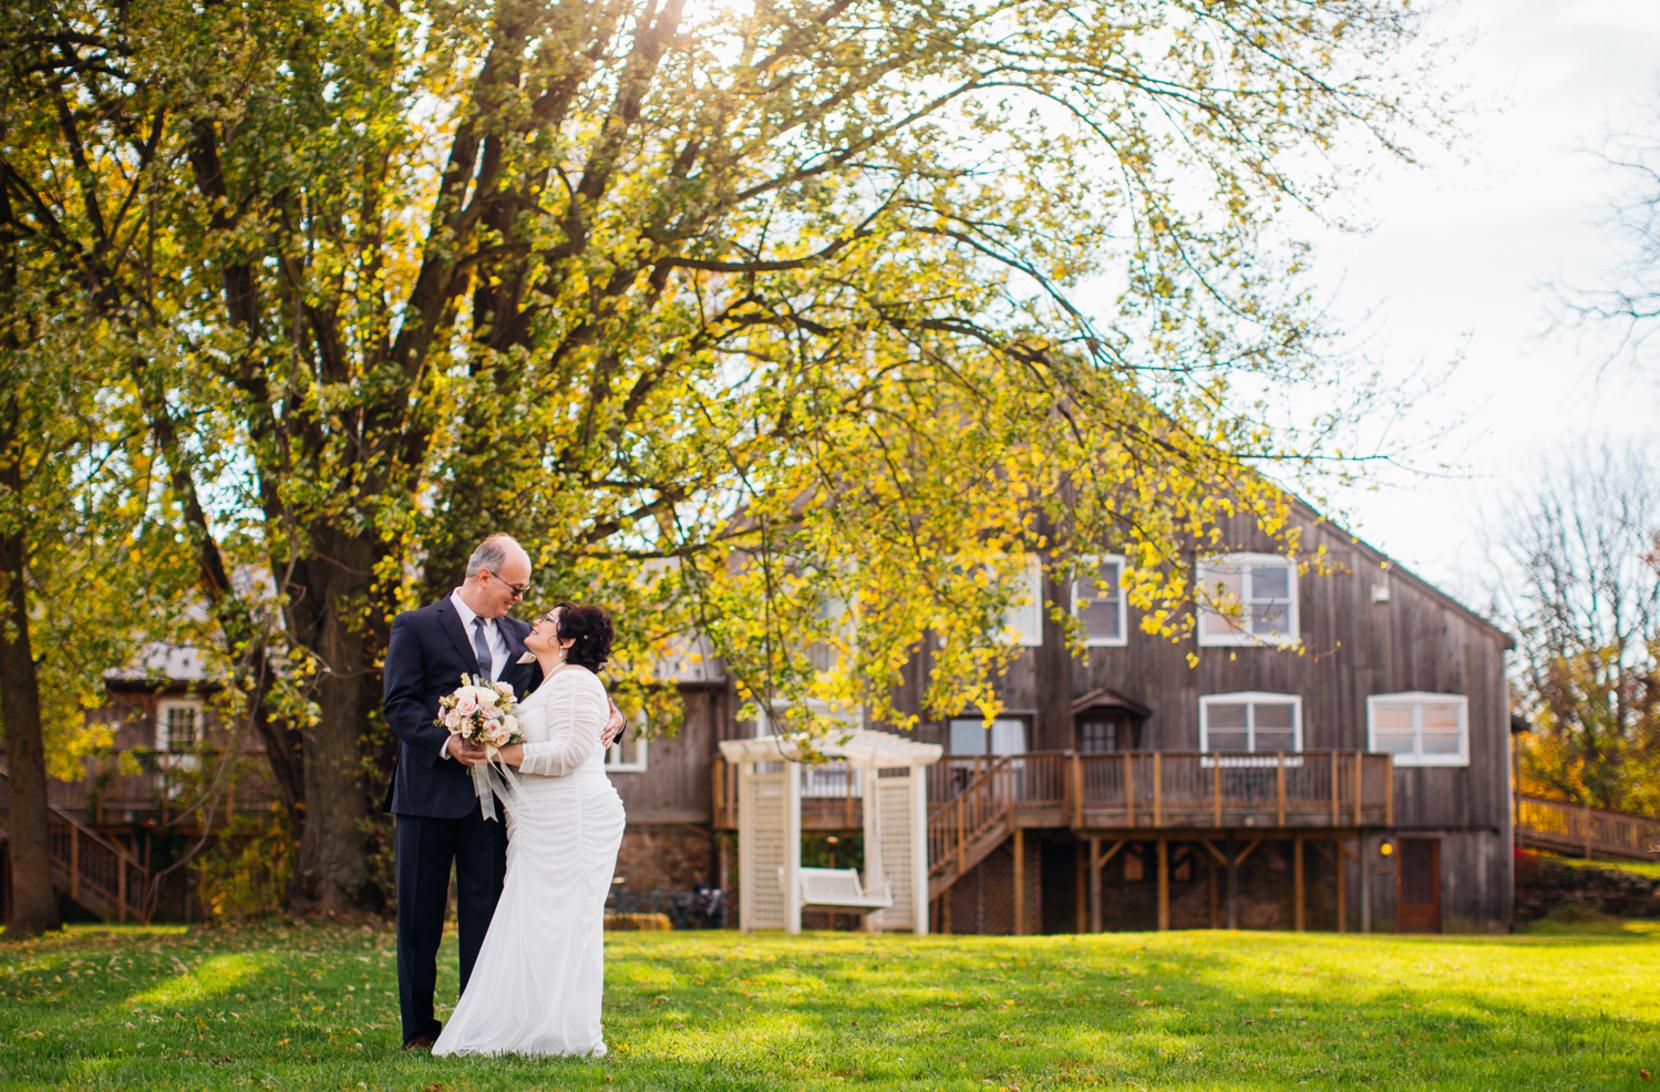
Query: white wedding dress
pixel 537 984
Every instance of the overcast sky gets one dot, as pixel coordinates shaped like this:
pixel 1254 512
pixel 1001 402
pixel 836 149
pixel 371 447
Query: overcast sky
pixel 1458 263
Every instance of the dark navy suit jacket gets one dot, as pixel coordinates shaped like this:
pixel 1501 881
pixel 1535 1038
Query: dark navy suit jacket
pixel 427 654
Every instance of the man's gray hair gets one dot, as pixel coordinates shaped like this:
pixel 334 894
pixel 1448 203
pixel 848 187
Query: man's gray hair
pixel 491 554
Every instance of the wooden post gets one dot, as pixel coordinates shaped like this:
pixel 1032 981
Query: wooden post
pixel 1081 893
pixel 1279 789
pixel 1389 798
pixel 1077 790
pixel 1297 904
pixel 1233 885
pixel 74 861
pixel 1164 876
pixel 1129 790
pixel 1334 788
pixel 1215 897
pixel 121 889
pixel 1019 881
pixel 717 770
pixel 1365 885
pixel 1095 865
pixel 960 802
pixel 1360 782
pixel 1342 867
pixel 1158 791
pixel 1216 791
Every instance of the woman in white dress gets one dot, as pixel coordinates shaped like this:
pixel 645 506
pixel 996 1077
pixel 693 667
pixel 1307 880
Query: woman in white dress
pixel 536 986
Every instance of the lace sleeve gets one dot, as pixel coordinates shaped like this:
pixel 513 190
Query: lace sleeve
pixel 571 736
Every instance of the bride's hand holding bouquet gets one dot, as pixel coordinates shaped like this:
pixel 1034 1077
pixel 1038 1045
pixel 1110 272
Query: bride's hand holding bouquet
pixel 483 716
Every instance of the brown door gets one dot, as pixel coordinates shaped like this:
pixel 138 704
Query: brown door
pixel 1419 885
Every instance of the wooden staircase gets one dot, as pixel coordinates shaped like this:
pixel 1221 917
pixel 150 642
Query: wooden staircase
pixel 96 874
pixel 968 828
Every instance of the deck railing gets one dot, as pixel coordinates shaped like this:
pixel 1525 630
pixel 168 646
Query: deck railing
pixel 165 785
pixel 1552 824
pixel 1139 790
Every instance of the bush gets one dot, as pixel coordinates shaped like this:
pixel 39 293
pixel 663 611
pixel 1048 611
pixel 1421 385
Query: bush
pixel 245 872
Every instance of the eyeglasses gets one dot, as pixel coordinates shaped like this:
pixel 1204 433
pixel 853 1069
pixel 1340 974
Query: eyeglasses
pixel 518 590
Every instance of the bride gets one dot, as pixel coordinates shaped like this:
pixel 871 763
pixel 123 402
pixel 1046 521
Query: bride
pixel 536 986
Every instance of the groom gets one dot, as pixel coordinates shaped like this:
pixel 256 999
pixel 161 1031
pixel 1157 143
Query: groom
pixel 438 818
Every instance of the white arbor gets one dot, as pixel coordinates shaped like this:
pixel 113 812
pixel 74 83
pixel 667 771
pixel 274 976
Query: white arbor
pixel 895 828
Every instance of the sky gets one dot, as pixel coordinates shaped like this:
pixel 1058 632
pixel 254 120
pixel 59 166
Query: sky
pixel 1456 273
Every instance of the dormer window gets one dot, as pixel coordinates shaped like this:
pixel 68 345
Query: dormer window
pixel 1247 599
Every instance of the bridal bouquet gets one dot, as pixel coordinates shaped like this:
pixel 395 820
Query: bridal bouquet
pixel 484 714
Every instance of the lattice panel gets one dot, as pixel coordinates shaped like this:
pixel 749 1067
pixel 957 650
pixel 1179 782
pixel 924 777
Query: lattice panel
pixel 893 810
pixel 762 800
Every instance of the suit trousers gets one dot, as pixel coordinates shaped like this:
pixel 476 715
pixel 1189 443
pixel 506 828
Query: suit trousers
pixel 426 849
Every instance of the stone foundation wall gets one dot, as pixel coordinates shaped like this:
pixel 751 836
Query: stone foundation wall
pixel 1545 886
pixel 665 858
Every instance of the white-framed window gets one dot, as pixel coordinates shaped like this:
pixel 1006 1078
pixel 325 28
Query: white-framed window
pixel 178 725
pixel 1023 619
pixel 628 754
pixel 1098 601
pixel 1264 589
pixel 1251 723
pixel 1420 729
pixel 839 618
pixel 970 736
pixel 1023 623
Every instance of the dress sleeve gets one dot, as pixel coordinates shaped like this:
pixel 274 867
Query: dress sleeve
pixel 571 739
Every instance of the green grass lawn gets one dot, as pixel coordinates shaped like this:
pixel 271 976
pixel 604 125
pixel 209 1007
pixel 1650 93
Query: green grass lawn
pixel 1648 869
pixel 315 1006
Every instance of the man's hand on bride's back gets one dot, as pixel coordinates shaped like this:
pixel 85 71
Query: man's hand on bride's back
pixel 613 727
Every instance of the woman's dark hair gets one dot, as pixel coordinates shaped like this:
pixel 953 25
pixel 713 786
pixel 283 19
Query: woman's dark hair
pixel 590 628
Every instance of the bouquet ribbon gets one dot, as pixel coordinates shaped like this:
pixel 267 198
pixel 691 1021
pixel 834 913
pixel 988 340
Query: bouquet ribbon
pixel 491 781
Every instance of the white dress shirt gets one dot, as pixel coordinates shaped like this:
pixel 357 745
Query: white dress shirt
pixel 492 635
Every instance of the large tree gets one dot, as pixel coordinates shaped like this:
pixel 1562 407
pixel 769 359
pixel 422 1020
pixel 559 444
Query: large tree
pixel 1580 587
pixel 730 310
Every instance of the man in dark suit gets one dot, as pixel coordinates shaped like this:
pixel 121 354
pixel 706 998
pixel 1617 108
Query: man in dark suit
pixel 439 822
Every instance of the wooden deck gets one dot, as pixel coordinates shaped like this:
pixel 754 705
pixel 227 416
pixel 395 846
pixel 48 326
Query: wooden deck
pixel 1111 793
pixel 162 789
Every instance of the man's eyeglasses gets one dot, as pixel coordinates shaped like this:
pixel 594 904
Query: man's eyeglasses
pixel 518 590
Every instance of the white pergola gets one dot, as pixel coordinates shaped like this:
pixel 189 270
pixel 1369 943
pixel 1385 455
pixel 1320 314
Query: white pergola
pixel 769 825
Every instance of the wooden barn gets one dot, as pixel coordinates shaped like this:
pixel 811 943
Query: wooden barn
pixel 1361 785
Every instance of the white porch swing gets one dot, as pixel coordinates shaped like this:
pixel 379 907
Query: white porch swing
pixel 773 888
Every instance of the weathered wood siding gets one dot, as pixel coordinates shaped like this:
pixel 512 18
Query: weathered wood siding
pixel 1417 640
pixel 675 785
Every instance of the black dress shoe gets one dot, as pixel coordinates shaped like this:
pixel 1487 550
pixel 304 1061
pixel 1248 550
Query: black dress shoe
pixel 420 1042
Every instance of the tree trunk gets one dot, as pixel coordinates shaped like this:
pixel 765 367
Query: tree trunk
pixel 34 906
pixel 328 610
